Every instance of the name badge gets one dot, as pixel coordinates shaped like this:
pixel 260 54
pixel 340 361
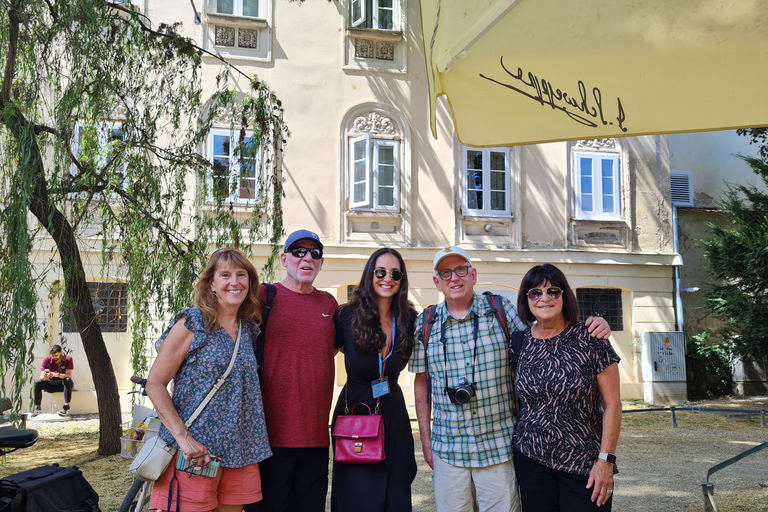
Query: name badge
pixel 380 387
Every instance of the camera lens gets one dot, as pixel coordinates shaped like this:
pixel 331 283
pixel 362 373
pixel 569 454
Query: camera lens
pixel 462 395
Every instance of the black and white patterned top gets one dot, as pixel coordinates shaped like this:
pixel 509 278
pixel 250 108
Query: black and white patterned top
pixel 561 417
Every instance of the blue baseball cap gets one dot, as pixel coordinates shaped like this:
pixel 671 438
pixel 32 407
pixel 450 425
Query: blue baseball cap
pixel 302 234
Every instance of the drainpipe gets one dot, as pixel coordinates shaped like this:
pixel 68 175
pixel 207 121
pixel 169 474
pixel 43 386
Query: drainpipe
pixel 678 284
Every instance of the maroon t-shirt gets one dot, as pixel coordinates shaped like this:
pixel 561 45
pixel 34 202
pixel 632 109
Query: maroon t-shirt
pixel 298 372
pixel 57 367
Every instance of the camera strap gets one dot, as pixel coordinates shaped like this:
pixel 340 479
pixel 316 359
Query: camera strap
pixel 444 340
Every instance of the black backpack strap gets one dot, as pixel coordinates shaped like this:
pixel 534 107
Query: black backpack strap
pixel 428 319
pixel 515 346
pixel 258 343
pixel 494 302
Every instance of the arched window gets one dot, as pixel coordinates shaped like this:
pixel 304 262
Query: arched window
pixel 375 177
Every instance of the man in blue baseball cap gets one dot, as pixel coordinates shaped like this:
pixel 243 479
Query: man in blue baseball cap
pixel 297 383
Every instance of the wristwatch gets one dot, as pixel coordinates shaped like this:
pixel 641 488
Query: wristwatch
pixel 608 457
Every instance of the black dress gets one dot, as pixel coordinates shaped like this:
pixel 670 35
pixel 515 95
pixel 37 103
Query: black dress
pixel 382 486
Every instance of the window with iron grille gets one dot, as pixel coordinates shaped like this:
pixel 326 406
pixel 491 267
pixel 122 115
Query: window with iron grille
pixel 111 305
pixel 603 302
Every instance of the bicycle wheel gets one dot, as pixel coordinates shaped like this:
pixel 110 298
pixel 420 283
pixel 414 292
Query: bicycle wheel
pixel 129 501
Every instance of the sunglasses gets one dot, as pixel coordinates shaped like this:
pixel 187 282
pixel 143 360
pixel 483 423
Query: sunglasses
pixel 300 252
pixel 380 273
pixel 553 292
pixel 461 271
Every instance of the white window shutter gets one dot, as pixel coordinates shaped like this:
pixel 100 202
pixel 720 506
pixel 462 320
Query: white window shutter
pixel 359 172
pixel 681 187
pixel 357 12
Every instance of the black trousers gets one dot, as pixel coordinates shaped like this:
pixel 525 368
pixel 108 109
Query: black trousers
pixel 53 386
pixel 548 490
pixel 293 480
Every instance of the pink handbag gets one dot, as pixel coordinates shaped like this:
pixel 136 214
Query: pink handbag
pixel 359 438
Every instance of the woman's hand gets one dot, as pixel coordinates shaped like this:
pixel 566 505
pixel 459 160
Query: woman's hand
pixel 601 481
pixel 194 453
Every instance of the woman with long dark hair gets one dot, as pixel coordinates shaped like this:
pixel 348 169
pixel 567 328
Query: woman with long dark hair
pixel 375 331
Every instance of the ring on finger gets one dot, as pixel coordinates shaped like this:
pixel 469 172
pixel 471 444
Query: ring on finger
pixel 609 491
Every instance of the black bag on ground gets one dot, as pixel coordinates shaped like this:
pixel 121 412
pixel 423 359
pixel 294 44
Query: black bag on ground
pixel 48 489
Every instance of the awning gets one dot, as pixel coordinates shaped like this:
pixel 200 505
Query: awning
pixel 528 71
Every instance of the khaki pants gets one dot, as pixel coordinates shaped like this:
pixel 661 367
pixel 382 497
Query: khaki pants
pixel 489 489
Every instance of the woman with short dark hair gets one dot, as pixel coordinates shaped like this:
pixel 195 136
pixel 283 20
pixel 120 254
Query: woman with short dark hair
pixel 567 387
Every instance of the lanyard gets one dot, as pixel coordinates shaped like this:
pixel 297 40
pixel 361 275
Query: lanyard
pixel 388 351
pixel 444 340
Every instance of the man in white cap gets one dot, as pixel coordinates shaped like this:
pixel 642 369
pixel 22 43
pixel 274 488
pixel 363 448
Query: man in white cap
pixel 297 383
pixel 469 444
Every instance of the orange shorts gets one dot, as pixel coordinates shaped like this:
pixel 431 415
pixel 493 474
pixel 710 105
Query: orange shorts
pixel 232 486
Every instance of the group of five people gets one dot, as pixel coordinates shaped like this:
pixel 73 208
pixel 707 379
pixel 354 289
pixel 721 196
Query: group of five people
pixel 271 435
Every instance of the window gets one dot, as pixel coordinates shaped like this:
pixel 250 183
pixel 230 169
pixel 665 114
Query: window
pixel 376 35
pixel 374 173
pixel 248 8
pixel 235 171
pixel 597 185
pixel 487 181
pixel 101 145
pixel 377 14
pixel 239 29
pixel 603 302
pixel 110 303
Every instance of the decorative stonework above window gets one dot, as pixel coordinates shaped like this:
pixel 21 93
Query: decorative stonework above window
pixel 368 49
pixel 375 36
pixel 239 30
pixel 248 38
pixel 374 123
pixel 597 143
pixel 225 36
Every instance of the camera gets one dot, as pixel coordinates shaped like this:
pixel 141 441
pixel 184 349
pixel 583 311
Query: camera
pixel 462 393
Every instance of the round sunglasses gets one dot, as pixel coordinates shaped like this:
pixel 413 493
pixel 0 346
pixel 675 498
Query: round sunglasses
pixel 380 273
pixel 553 292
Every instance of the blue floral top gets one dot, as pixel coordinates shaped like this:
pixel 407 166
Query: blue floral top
pixel 232 425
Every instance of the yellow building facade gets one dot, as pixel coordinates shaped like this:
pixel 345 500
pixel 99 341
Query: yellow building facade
pixel 362 169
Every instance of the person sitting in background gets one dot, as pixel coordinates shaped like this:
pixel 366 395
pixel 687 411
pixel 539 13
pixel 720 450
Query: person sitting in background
pixel 55 377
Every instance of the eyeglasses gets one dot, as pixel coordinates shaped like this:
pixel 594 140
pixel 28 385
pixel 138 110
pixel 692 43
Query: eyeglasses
pixel 553 292
pixel 300 252
pixel 461 271
pixel 380 273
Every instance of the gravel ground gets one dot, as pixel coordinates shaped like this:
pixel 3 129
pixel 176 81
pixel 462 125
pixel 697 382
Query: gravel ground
pixel 661 469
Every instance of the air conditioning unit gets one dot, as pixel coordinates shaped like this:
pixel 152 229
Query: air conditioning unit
pixel 663 362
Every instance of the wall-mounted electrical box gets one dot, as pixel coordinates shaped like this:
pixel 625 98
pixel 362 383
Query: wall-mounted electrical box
pixel 663 360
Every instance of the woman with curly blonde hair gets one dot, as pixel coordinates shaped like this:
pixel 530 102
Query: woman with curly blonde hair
pixel 194 352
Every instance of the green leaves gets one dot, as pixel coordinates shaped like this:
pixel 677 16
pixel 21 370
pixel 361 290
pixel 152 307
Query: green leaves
pixel 104 127
pixel 736 256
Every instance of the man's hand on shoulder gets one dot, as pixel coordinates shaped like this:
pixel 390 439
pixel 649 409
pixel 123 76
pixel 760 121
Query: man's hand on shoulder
pixel 598 327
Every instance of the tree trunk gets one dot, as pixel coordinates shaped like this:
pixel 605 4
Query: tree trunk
pixel 53 220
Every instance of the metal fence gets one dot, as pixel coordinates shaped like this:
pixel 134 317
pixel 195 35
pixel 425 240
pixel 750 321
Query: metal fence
pixel 708 487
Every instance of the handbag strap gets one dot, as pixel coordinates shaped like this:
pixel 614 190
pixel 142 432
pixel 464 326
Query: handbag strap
pixel 219 383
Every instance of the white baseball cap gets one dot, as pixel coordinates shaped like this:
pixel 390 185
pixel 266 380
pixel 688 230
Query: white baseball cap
pixel 450 251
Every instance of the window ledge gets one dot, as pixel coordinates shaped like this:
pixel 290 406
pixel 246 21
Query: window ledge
pixel 394 36
pixel 239 21
pixel 507 217
pixel 363 214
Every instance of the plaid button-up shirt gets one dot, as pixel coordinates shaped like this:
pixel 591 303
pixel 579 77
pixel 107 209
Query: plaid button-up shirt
pixel 479 433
